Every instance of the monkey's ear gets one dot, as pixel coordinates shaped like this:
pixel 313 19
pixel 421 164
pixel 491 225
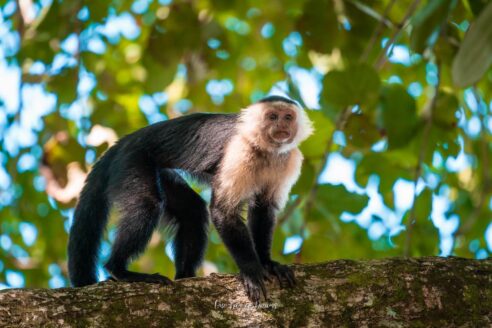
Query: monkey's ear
pixel 250 118
pixel 304 126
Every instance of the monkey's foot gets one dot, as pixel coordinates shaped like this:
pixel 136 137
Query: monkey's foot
pixel 130 276
pixel 254 284
pixel 282 272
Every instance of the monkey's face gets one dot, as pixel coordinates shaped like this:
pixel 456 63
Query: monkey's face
pixel 279 125
pixel 274 126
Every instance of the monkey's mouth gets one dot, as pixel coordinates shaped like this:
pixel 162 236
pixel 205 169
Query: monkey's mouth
pixel 281 135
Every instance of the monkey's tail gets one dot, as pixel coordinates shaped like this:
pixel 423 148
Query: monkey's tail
pixel 89 222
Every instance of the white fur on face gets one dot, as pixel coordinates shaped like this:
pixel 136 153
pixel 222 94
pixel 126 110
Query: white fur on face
pixel 251 117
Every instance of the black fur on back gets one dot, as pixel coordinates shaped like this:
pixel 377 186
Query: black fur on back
pixel 193 143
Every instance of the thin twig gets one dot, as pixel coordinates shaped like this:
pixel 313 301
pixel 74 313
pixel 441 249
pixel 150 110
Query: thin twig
pixel 372 13
pixel 377 32
pixel 418 169
pixel 404 23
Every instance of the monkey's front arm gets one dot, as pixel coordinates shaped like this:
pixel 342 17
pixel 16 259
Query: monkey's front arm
pixel 251 251
pixel 237 239
pixel 261 222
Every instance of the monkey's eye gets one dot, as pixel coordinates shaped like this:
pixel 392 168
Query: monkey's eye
pixel 288 117
pixel 272 117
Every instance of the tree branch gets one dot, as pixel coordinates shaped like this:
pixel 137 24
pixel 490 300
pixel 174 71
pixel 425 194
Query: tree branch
pixel 425 292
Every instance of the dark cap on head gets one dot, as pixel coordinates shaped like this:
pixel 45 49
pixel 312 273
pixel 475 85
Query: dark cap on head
pixel 277 98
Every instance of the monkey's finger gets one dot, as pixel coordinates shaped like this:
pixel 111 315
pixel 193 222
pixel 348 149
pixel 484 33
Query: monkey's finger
pixel 288 276
pixel 264 290
pixel 267 277
pixel 259 292
pixel 291 279
pixel 253 293
pixel 278 274
pixel 247 289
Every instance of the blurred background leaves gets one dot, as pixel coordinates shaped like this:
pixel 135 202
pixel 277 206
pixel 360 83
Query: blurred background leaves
pixel 399 92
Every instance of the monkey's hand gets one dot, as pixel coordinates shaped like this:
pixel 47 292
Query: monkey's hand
pixel 282 272
pixel 254 283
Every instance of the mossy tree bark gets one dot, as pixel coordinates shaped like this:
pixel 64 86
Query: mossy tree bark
pixel 422 292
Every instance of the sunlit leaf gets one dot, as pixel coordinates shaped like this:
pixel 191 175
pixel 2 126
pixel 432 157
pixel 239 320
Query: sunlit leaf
pixel 475 54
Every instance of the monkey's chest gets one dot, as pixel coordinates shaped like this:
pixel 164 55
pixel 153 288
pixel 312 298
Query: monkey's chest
pixel 245 180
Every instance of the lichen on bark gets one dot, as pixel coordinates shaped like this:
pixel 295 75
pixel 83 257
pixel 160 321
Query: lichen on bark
pixel 396 292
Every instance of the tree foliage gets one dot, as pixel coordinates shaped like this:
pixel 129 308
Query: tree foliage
pixel 399 92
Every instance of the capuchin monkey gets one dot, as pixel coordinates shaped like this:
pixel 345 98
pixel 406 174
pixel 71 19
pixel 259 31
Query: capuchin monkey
pixel 247 158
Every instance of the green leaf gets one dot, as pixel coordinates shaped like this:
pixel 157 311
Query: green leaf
pixel 477 6
pixel 51 26
pixel 389 167
pixel 356 85
pixel 423 206
pixel 318 25
pixel 64 85
pixel 475 54
pixel 446 141
pixel 98 10
pixel 158 76
pixel 315 145
pixel 398 115
pixel 336 199
pixel 425 238
pixel 444 113
pixel 305 181
pixel 361 132
pixel 427 22
pixel 167 43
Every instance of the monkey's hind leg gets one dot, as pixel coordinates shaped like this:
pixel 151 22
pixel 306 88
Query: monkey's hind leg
pixel 190 217
pixel 141 205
